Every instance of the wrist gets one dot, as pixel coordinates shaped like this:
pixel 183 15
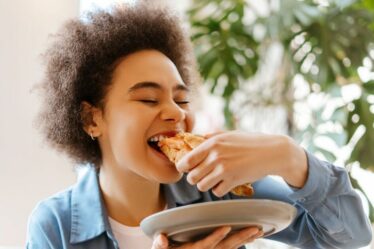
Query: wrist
pixel 295 167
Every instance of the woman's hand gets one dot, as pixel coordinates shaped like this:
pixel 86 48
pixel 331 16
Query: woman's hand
pixel 228 159
pixel 216 240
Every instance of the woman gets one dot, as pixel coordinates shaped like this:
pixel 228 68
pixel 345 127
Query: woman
pixel 120 78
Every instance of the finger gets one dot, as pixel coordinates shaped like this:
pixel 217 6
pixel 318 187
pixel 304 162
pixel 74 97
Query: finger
pixel 212 240
pixel 257 236
pixel 239 238
pixel 199 172
pixel 209 181
pixel 193 158
pixel 160 242
pixel 222 188
pixel 209 135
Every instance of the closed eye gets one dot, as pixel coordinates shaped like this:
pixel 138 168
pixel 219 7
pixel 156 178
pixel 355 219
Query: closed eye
pixel 149 101
pixel 154 102
pixel 182 102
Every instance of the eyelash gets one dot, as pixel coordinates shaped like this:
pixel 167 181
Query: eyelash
pixel 146 101
pixel 154 102
pixel 182 102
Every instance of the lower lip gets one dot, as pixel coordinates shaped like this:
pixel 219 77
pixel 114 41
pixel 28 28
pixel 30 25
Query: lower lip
pixel 160 155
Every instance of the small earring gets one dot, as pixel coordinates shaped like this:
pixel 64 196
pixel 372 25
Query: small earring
pixel 92 137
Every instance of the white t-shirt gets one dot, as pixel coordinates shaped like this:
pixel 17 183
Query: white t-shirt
pixel 130 237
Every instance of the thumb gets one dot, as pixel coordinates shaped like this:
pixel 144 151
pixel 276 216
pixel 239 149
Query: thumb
pixel 209 135
pixel 160 242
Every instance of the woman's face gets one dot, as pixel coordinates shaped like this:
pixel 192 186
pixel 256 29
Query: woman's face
pixel 147 98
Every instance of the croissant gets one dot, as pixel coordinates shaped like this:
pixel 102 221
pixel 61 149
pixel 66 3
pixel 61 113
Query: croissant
pixel 179 145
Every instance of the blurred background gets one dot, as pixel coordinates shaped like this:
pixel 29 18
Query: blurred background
pixel 301 68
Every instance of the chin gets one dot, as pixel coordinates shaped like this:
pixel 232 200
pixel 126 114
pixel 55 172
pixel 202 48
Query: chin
pixel 170 178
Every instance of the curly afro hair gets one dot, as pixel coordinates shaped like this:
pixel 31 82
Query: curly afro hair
pixel 82 58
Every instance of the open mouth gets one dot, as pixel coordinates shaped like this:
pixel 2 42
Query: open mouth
pixel 153 142
pixel 154 145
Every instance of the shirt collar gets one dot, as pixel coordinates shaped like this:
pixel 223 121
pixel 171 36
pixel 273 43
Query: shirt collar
pixel 89 218
pixel 88 214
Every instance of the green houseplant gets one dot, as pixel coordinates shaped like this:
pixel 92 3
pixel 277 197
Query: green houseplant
pixel 325 43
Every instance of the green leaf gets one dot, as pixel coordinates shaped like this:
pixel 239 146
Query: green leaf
pixel 363 151
pixel 369 4
pixel 229 117
pixel 207 62
pixel 368 87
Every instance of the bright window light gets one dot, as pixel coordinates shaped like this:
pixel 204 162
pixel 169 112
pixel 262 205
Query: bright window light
pixel 90 5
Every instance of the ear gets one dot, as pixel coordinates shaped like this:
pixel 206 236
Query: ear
pixel 91 117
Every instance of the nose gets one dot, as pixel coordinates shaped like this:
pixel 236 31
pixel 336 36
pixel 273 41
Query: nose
pixel 171 111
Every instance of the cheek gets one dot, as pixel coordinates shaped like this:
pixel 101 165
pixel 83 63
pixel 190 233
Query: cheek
pixel 190 121
pixel 124 139
pixel 126 131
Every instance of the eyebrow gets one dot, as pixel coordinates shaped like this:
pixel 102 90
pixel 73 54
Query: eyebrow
pixel 154 85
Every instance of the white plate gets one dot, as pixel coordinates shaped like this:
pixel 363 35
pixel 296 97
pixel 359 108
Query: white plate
pixel 193 222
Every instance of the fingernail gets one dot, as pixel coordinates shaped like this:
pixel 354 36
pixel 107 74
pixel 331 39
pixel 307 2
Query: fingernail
pixel 259 234
pixel 226 230
pixel 179 167
pixel 159 241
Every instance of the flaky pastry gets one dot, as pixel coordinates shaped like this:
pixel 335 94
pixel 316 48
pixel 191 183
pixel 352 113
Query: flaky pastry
pixel 179 145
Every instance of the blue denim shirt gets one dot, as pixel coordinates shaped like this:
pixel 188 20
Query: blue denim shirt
pixel 330 213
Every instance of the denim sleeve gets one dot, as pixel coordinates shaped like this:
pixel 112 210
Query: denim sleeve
pixel 330 212
pixel 43 229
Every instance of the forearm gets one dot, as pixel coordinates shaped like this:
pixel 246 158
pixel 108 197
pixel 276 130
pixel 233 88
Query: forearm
pixel 330 213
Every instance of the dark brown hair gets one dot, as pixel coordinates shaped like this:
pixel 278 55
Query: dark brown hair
pixel 82 58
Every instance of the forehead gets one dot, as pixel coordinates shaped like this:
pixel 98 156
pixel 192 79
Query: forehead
pixel 146 66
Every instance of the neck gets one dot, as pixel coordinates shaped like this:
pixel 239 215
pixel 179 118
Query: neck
pixel 128 197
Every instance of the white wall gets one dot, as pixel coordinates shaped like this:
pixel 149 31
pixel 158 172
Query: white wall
pixel 29 171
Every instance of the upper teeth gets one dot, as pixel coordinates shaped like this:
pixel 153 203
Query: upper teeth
pixel 157 138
